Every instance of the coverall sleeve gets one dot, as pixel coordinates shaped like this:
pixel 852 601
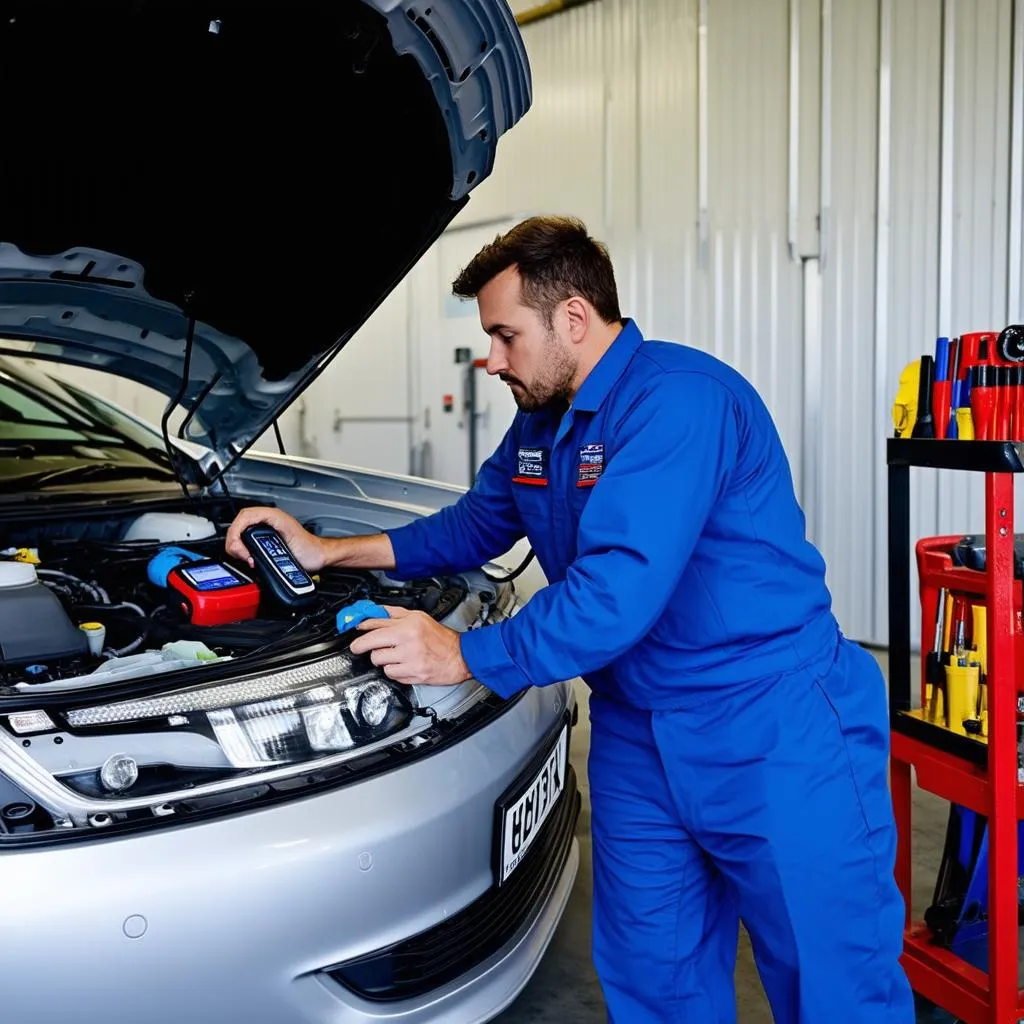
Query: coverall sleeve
pixel 636 535
pixel 481 525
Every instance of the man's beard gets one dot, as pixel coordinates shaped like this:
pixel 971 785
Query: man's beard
pixel 553 383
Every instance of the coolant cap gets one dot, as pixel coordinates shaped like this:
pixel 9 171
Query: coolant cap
pixel 165 560
pixel 17 574
pixel 352 614
pixel 96 633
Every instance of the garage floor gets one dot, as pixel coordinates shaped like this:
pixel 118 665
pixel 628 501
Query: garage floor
pixel 565 989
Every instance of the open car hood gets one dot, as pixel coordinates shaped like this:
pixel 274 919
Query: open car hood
pixel 256 175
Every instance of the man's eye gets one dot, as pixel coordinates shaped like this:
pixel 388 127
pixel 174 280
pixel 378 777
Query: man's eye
pixel 507 338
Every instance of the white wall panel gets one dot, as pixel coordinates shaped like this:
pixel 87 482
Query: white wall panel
pixel 913 257
pixel 1016 235
pixel 358 412
pixel 553 159
pixel 978 223
pixel 750 291
pixel 844 525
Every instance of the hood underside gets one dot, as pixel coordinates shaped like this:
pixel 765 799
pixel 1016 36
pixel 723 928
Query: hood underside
pixel 267 171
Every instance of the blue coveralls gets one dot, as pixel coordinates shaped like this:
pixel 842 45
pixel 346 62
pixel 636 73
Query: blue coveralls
pixel 738 765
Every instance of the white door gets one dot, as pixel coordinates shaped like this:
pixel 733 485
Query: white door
pixel 446 383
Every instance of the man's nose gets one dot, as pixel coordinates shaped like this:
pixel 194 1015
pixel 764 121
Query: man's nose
pixel 496 361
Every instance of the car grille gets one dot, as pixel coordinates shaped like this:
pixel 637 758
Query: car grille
pixel 439 955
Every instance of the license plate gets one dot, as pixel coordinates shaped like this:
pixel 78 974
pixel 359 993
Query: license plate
pixel 525 809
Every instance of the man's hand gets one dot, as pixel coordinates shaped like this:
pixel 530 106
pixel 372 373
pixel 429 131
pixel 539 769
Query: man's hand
pixel 309 550
pixel 413 648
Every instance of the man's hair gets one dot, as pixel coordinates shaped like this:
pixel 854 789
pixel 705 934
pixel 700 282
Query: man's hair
pixel 556 259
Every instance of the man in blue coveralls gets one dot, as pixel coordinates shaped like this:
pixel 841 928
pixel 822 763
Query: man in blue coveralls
pixel 739 741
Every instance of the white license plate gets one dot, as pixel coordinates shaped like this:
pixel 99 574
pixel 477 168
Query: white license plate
pixel 524 817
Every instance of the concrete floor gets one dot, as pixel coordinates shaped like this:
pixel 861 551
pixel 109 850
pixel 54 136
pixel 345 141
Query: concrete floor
pixel 565 989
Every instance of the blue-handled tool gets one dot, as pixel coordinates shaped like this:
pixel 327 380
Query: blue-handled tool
pixel 352 614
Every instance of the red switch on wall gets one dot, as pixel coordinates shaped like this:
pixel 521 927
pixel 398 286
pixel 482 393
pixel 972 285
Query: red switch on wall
pixel 448 403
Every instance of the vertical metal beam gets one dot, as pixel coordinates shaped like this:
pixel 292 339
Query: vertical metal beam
pixel 794 127
pixel 883 179
pixel 948 71
pixel 810 476
pixel 825 215
pixel 702 133
pixel 607 119
pixel 638 107
pixel 1002 759
pixel 1015 264
pixel 411 368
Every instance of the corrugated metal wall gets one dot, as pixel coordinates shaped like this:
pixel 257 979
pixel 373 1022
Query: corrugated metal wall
pixel 810 189
pixel 708 141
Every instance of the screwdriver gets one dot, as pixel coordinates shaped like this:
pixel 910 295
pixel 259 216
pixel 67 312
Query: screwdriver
pixel 933 668
pixel 962 682
pixel 942 387
pixel 925 425
pixel 964 420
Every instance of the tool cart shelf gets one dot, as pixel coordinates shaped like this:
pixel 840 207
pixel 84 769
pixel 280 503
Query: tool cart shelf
pixel 976 771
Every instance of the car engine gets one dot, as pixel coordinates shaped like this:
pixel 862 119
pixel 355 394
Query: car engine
pixel 79 609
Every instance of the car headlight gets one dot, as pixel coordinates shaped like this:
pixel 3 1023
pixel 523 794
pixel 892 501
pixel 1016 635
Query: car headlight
pixel 298 726
pixel 205 741
pixel 288 717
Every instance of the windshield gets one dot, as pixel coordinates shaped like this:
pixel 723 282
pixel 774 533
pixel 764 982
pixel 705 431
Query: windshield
pixel 54 435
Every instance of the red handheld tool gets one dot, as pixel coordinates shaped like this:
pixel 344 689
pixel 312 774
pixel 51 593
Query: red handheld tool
pixel 1018 403
pixel 975 350
pixel 1004 404
pixel 983 402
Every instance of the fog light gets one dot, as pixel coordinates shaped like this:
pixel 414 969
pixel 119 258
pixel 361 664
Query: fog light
pixel 119 772
pixel 374 704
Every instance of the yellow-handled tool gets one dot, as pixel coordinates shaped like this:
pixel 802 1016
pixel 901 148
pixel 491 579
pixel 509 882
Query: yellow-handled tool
pixel 963 698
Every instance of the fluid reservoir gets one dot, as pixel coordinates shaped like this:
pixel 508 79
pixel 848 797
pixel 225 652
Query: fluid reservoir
pixel 170 527
pixel 33 624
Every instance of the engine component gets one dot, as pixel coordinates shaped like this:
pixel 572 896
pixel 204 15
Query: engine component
pixel 170 658
pixel 96 634
pixel 33 624
pixel 170 528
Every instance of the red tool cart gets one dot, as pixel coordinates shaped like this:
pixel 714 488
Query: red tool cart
pixel 975 767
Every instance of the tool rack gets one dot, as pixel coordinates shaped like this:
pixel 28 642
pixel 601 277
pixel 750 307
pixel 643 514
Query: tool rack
pixel 981 776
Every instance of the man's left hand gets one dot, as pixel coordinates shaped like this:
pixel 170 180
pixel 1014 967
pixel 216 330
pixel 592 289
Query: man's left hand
pixel 413 648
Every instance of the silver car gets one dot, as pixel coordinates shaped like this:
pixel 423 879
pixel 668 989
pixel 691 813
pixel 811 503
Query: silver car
pixel 209 808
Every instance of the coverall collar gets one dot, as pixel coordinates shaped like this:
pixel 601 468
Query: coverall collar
pixel 609 369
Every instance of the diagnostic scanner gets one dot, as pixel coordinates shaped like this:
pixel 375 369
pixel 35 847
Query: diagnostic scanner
pixel 214 594
pixel 278 568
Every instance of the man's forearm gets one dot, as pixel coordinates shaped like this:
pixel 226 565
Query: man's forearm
pixel 370 552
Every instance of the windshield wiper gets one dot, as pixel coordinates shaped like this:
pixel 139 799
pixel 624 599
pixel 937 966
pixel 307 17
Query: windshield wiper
pixel 21 449
pixel 82 473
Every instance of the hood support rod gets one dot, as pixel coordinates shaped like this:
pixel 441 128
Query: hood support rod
pixel 547 10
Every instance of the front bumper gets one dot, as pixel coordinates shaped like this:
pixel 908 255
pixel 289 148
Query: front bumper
pixel 241 918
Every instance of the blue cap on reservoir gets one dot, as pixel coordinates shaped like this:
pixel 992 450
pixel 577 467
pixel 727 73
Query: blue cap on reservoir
pixel 167 559
pixel 352 614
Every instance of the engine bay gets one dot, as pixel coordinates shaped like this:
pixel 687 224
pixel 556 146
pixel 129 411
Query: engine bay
pixel 79 607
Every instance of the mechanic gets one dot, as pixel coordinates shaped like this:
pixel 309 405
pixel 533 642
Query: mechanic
pixel 738 765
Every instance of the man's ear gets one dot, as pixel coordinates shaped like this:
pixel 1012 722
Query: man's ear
pixel 578 316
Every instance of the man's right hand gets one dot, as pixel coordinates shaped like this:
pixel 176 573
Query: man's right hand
pixel 308 549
